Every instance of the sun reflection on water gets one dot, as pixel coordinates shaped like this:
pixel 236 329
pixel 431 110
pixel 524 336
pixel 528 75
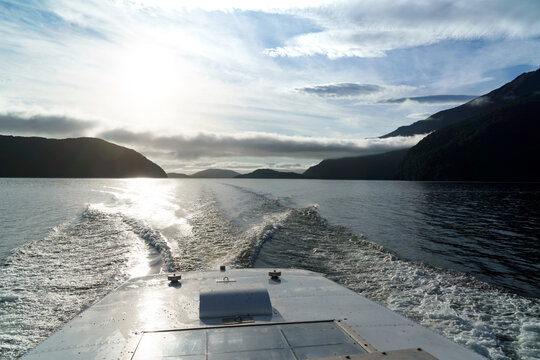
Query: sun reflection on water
pixel 151 200
pixel 152 209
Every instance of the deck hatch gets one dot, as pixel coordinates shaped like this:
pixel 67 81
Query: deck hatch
pixel 234 300
pixel 306 340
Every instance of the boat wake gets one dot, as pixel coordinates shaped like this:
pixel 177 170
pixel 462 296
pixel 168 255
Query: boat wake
pixel 489 320
pixel 47 282
pixel 80 261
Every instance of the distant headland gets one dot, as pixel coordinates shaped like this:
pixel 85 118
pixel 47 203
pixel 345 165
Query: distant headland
pixel 72 158
pixel 206 174
pixel 271 174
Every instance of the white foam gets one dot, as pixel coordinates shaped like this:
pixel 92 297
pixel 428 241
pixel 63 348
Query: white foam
pixel 56 277
pixel 490 321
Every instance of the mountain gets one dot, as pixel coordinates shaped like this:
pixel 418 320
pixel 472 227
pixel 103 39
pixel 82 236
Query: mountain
pixel 499 145
pixel 177 176
pixel 215 173
pixel 369 167
pixel 491 138
pixel 520 86
pixel 72 158
pixel 271 174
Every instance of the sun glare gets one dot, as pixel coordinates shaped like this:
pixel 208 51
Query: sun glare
pixel 148 73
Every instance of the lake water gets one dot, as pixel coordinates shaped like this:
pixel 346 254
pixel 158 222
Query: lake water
pixel 460 258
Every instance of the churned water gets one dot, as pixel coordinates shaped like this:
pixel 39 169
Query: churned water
pixel 459 258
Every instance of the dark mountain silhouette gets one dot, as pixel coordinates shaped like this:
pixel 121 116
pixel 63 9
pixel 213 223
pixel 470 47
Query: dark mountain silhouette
pixel 520 86
pixel 499 145
pixel 491 138
pixel 71 158
pixel 177 176
pixel 369 167
pixel 215 173
pixel 271 174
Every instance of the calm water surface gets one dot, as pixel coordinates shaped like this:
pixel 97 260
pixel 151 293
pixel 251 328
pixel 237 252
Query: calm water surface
pixel 460 258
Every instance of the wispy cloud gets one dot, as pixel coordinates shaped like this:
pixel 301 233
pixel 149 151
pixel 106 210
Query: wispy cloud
pixel 13 123
pixel 433 99
pixel 341 90
pixel 373 28
pixel 213 145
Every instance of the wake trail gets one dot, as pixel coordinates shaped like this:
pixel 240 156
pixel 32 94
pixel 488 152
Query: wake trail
pixel 489 320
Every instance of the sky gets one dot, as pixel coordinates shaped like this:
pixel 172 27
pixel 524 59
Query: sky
pixel 251 84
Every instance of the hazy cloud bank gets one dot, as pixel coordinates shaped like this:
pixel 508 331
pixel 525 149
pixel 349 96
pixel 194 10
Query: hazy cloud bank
pixel 211 145
pixel 17 123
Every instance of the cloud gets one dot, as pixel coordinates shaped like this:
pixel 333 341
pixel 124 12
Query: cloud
pixel 373 28
pixel 341 90
pixel 130 61
pixel 419 116
pixel 433 99
pixel 256 144
pixel 16 123
pixel 482 100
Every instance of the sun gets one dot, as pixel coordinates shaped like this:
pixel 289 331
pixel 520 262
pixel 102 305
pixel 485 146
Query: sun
pixel 153 85
pixel 148 73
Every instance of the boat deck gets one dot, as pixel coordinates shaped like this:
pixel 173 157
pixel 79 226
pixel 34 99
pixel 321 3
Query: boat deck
pixel 307 317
